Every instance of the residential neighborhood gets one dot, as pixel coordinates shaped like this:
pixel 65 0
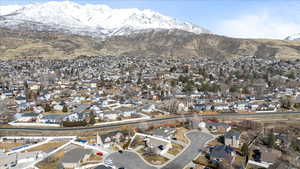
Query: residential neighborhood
pixel 165 114
pixel 161 146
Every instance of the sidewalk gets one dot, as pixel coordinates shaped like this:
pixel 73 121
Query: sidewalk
pixel 168 155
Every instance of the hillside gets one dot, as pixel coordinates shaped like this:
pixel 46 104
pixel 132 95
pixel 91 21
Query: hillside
pixel 164 43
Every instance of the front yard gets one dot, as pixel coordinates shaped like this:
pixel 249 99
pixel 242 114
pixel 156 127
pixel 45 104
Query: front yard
pixel 176 149
pixel 152 158
pixel 179 134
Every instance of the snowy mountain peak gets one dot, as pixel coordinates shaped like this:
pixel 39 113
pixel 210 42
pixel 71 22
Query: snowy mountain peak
pixel 95 20
pixel 294 37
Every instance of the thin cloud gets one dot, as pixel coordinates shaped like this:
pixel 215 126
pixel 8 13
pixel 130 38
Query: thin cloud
pixel 261 25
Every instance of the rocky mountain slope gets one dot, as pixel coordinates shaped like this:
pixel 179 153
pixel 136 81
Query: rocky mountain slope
pixel 165 43
pixel 92 20
pixel 294 37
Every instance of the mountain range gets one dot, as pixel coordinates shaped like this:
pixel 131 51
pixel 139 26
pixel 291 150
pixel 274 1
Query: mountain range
pixel 92 20
pixel 66 29
pixel 294 37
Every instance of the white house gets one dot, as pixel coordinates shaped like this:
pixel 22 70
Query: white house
pixel 58 107
pixel 20 99
pixel 182 107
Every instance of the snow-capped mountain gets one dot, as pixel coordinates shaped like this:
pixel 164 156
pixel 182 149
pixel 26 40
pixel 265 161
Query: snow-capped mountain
pixel 294 37
pixel 94 20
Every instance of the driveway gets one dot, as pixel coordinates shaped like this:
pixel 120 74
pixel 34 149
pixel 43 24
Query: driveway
pixel 130 160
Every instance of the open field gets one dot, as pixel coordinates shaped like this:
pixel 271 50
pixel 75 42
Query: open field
pixel 47 146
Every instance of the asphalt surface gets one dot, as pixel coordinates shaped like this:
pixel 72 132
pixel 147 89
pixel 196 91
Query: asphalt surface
pixel 177 117
pixel 127 160
pixel 198 140
pixel 130 160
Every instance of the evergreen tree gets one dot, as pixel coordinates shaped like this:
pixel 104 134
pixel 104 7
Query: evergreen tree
pixel 271 140
pixel 92 118
pixel 65 109
pixel 47 108
pixel 245 149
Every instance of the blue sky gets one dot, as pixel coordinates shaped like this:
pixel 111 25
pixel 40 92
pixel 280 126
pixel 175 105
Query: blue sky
pixel 237 18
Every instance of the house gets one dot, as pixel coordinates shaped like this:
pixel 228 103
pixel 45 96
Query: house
pixel 28 117
pixel 17 160
pixel 148 108
pixel 221 107
pixel 75 117
pixel 38 109
pixel 200 107
pixel 158 145
pixel 240 105
pixel 58 107
pixel 108 139
pixel 232 138
pixel 265 157
pixel 20 99
pixel 51 118
pixel 283 140
pixel 75 157
pixel 218 126
pixel 181 107
pixel 222 152
pixel 164 132
pixel 108 115
pixel 128 113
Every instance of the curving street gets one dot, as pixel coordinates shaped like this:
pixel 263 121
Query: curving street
pixel 130 160
pixel 197 142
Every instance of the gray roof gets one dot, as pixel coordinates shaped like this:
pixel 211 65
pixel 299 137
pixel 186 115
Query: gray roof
pixel 110 134
pixel 31 114
pixel 81 108
pixel 221 152
pixel 231 134
pixel 164 131
pixel 217 124
pixel 75 155
pixel 20 98
pixel 55 116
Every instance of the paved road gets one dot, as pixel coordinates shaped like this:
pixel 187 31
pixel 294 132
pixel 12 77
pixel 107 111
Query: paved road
pixel 177 117
pixel 130 160
pixel 198 140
